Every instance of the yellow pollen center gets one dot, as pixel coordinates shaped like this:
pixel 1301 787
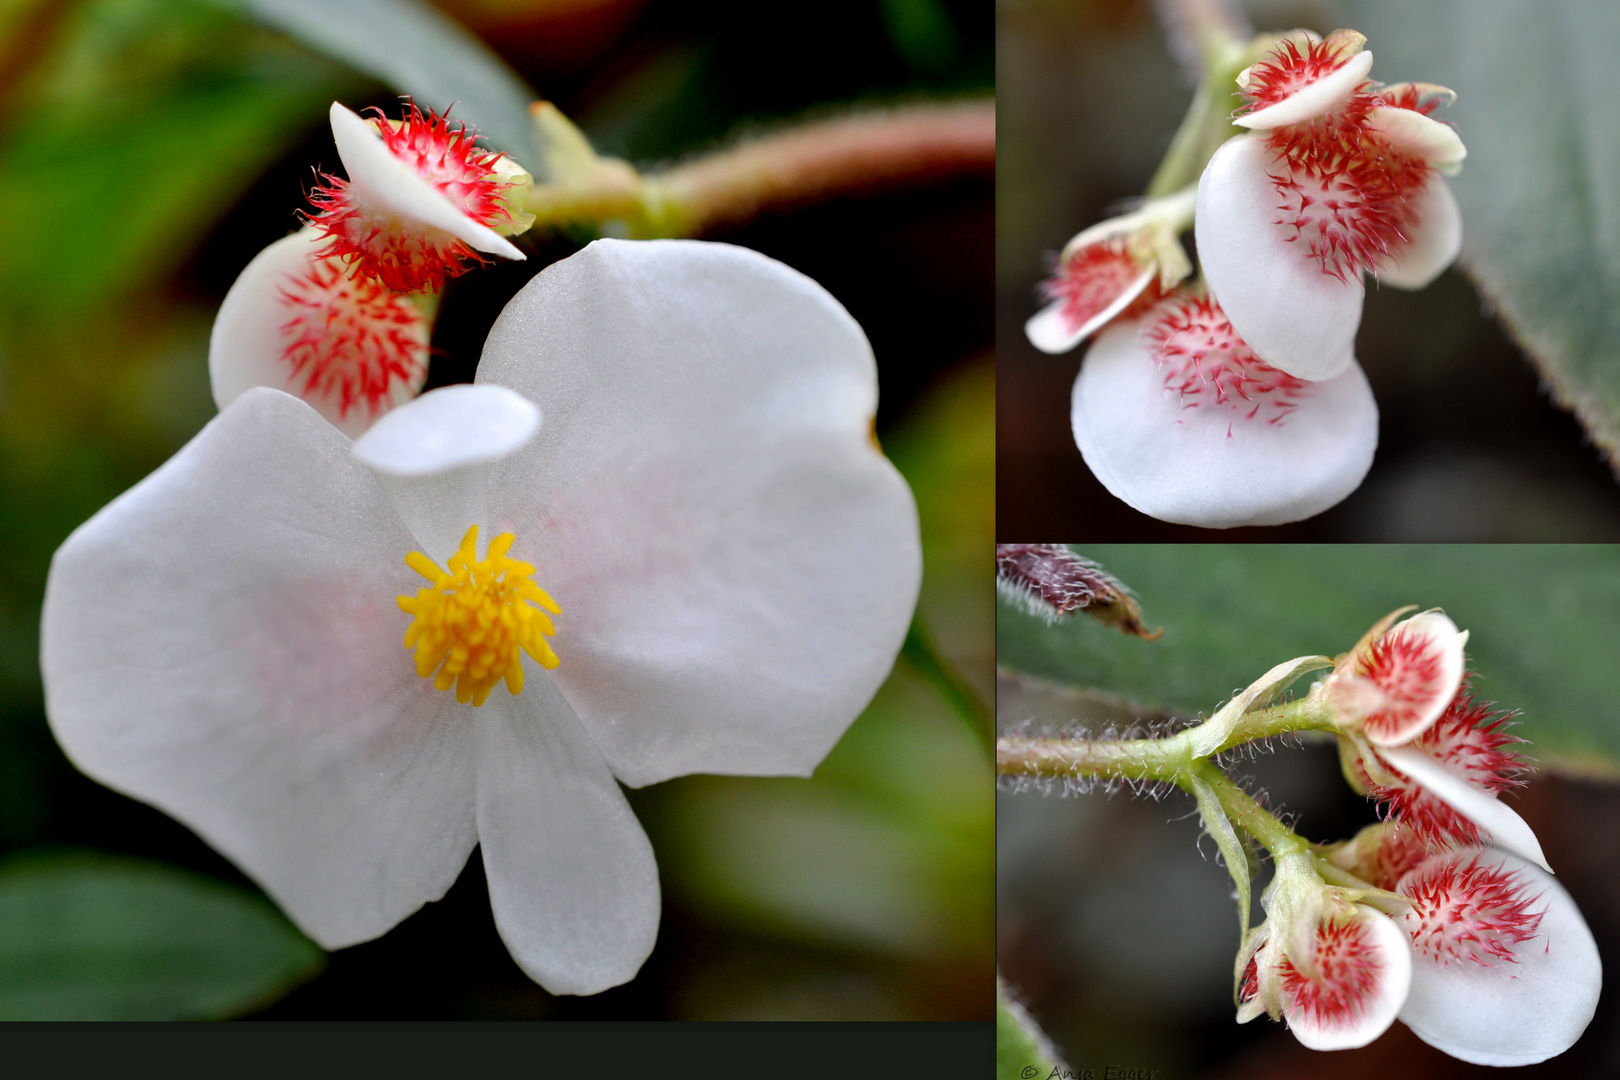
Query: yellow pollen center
pixel 471 622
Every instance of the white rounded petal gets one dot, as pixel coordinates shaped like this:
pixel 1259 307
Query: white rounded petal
pixel 1294 315
pixel 571 874
pixel 222 641
pixel 449 428
pixel 255 327
pixel 1207 465
pixel 1052 331
pixel 1435 242
pixel 380 177
pixel 1512 1013
pixel 1322 96
pixel 1499 823
pixel 1423 137
pixel 433 459
pixel 736 561
pixel 1390 952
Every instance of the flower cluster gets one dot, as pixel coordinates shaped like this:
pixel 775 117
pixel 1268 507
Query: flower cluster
pixel 699 562
pixel 1444 916
pixel 1238 400
pixel 341 312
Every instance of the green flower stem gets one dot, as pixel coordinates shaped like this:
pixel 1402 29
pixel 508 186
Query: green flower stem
pixel 1128 759
pixel 1208 122
pixel 1303 714
pixel 1147 759
pixel 1249 815
pixel 858 154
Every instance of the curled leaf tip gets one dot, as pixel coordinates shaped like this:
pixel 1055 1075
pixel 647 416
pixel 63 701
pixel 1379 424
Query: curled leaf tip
pixel 1052 582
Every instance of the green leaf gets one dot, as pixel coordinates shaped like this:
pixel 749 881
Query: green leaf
pixel 1540 190
pixel 148 122
pixel 96 937
pixel 1021 1046
pixel 419 52
pixel 1542 621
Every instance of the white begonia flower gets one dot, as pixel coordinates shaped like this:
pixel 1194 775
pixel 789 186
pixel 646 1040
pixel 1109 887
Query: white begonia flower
pixel 305 323
pixel 1417 741
pixel 1338 971
pixel 1179 419
pixel 734 562
pixel 1111 270
pixel 1340 178
pixel 1504 969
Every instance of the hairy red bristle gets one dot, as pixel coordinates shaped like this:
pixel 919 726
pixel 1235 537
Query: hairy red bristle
pixel 1289 70
pixel 413 260
pixel 351 341
pixel 1207 364
pixel 1464 911
pixel 1471 739
pixel 1094 278
pixel 1347 975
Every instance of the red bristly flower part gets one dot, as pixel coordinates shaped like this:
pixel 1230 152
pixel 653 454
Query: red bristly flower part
pixel 352 341
pixel 1464 911
pixel 1207 364
pixel 418 259
pixel 1470 739
pixel 1409 669
pixel 1288 71
pixel 1094 278
pixel 1348 972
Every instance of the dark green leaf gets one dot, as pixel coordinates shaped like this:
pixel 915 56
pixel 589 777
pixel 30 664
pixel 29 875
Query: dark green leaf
pixel 1542 620
pixel 1540 191
pixel 94 937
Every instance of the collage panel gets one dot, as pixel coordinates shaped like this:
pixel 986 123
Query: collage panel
pixel 497 497
pixel 1289 810
pixel 1250 276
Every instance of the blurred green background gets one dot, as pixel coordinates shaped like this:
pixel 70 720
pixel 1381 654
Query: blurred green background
pixel 1115 919
pixel 148 149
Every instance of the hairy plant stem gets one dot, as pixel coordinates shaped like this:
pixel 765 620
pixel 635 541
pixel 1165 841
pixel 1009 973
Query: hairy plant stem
pixel 1247 814
pixel 858 154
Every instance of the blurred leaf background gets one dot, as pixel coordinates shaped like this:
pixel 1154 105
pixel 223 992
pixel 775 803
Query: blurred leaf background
pixel 1119 937
pixel 148 149
pixel 1474 442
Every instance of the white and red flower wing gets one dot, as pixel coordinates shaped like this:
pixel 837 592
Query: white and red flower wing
pixel 1350 991
pixel 1504 970
pixel 1177 417
pixel 1091 286
pixel 1400 684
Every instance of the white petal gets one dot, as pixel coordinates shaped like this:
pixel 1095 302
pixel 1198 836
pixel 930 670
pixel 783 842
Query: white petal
pixel 1501 825
pixel 1436 239
pixel 432 457
pixel 1322 96
pixel 571 875
pixel 1393 956
pixel 222 641
pixel 1291 313
pixel 1420 136
pixel 1182 465
pixel 251 334
pixel 1051 331
pixel 737 564
pixel 1432 636
pixel 377 175
pixel 1519 1013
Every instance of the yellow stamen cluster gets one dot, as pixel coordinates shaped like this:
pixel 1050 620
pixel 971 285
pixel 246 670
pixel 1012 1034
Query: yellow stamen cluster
pixel 474 619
